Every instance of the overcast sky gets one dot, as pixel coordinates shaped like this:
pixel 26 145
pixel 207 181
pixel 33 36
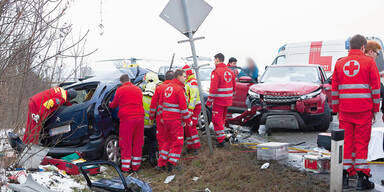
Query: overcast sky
pixel 241 28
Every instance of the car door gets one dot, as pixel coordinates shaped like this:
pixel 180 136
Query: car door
pixel 327 87
pixel 240 94
pixel 106 118
pixel 68 126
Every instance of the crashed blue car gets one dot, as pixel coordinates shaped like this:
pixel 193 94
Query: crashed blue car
pixel 88 126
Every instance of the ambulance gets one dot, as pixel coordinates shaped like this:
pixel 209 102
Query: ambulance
pixel 323 53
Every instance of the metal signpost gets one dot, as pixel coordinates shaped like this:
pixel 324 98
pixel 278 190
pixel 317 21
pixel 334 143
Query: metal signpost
pixel 186 17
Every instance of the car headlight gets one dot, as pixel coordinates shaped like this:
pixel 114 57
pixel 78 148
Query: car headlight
pixel 253 94
pixel 311 95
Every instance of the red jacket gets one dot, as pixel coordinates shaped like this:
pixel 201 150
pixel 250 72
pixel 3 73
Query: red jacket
pixel 174 102
pixel 155 102
pixel 129 99
pixel 49 100
pixel 355 84
pixel 223 83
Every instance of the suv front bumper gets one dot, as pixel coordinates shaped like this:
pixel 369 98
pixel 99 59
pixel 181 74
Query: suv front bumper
pixel 290 119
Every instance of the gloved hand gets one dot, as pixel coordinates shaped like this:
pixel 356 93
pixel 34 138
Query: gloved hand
pixel 208 104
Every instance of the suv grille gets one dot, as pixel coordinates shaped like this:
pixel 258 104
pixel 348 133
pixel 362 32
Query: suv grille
pixel 280 99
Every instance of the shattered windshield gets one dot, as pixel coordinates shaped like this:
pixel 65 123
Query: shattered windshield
pixel 291 74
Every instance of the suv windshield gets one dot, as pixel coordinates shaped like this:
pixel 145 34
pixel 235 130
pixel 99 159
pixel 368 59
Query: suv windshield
pixel 291 74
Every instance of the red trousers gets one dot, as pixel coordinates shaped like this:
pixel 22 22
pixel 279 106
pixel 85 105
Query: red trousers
pixel 36 116
pixel 163 155
pixel 357 133
pixel 191 134
pixel 131 141
pixel 218 119
pixel 173 136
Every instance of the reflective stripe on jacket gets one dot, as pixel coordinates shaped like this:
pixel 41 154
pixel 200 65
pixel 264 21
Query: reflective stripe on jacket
pixel 355 84
pixel 173 102
pixel 192 92
pixel 223 83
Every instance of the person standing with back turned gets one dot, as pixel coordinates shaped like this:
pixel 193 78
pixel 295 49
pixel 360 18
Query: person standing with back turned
pixel 129 99
pixel 220 96
pixel 175 113
pixel 356 97
pixel 156 110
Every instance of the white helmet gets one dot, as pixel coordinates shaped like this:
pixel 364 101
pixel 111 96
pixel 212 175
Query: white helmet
pixel 151 77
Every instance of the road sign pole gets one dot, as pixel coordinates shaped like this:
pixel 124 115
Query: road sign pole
pixel 195 66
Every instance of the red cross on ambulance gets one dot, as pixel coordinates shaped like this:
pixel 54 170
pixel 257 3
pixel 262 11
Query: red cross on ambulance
pixel 351 68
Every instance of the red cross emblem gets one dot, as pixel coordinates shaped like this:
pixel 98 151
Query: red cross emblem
pixel 168 92
pixel 351 68
pixel 227 76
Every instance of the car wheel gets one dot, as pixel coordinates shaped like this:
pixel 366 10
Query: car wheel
pixel 112 149
pixel 202 119
pixel 326 120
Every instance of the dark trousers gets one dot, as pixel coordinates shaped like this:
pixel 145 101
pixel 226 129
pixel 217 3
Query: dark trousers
pixel 152 142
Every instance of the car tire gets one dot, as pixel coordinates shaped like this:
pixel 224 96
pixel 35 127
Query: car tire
pixel 326 120
pixel 112 149
pixel 201 118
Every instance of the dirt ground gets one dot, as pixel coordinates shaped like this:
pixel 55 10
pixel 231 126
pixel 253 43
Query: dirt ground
pixel 232 169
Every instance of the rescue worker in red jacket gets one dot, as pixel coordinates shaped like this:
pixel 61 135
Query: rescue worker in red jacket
pixel 41 106
pixel 175 113
pixel 220 96
pixel 232 64
pixel 156 112
pixel 194 108
pixel 356 97
pixel 129 99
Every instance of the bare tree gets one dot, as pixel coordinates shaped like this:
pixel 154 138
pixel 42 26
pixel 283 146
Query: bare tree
pixel 35 43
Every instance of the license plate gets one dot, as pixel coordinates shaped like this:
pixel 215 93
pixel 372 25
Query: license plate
pixel 60 130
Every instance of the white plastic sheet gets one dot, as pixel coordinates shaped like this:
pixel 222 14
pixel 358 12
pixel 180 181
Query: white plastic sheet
pixel 375 148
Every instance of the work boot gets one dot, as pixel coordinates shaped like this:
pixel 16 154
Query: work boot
pixel 172 167
pixel 363 182
pixel 345 179
pixel 193 151
pixel 221 145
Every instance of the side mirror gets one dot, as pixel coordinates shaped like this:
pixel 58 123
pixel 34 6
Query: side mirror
pixel 245 79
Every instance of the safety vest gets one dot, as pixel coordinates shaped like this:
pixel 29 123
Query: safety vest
pixel 146 105
pixel 192 92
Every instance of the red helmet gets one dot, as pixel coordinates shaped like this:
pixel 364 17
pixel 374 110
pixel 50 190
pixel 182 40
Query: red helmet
pixel 188 70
